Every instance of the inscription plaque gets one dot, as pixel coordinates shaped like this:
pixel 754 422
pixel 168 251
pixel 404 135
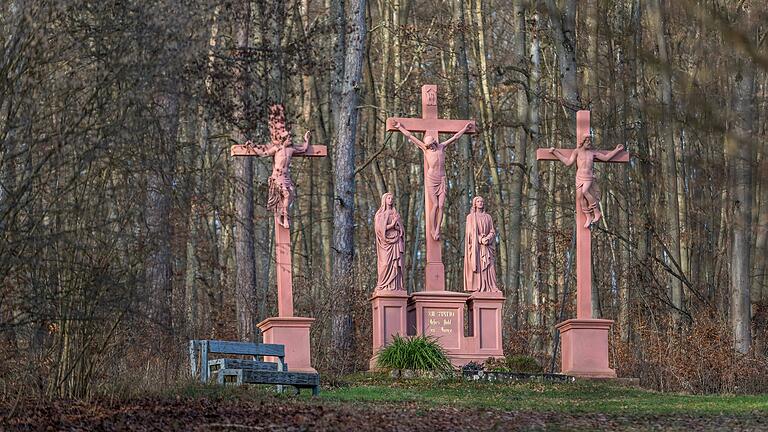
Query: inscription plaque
pixel 442 324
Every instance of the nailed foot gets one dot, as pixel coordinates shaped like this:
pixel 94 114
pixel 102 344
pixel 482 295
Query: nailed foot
pixel 597 215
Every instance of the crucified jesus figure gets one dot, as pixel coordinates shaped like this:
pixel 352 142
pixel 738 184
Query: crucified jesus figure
pixel 281 189
pixel 586 188
pixel 434 157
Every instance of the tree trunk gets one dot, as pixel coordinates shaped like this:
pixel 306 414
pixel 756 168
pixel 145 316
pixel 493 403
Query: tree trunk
pixel 192 290
pixel 536 210
pixel 462 89
pixel 759 289
pixel 668 158
pixel 344 184
pixel 641 172
pixel 740 152
pixel 339 26
pixel 521 142
pixel 159 264
pixel 564 33
pixel 591 69
pixel 489 136
pixel 245 260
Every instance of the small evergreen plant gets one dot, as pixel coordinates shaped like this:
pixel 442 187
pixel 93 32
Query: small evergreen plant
pixel 417 353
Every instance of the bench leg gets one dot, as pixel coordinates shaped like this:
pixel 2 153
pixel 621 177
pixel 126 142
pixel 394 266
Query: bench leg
pixel 193 358
pixel 316 390
pixel 204 361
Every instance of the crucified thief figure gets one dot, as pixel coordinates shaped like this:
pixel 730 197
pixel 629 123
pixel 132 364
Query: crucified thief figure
pixel 281 189
pixel 434 157
pixel 585 175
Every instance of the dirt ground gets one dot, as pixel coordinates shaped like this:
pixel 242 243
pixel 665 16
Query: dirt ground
pixel 285 414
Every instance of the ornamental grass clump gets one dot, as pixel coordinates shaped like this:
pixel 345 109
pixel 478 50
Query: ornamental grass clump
pixel 416 353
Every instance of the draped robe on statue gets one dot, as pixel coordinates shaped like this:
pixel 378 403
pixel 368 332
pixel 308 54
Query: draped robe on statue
pixel 389 249
pixel 479 259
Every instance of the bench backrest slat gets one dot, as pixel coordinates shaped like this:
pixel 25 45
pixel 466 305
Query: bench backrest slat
pixel 246 348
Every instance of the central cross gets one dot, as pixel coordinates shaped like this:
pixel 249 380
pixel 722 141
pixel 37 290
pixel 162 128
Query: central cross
pixel 435 185
pixel 281 195
pixel 587 209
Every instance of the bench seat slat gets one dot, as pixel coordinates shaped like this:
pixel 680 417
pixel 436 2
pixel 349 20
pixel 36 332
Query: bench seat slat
pixel 245 348
pixel 230 363
pixel 296 379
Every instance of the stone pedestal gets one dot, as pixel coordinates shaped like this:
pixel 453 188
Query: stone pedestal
pixel 293 332
pixel 440 314
pixel 485 323
pixel 389 310
pixel 585 348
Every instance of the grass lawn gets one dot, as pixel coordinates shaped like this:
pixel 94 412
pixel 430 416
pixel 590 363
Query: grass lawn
pixel 373 402
pixel 580 397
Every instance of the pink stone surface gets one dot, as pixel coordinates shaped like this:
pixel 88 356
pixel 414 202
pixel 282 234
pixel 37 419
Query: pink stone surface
pixel 436 312
pixel 443 323
pixel 585 340
pixel 584 158
pixel 390 245
pixel 441 315
pixel 281 189
pixel 585 348
pixel 293 332
pixel 434 173
pixel 281 195
pixel 389 318
pixel 283 268
pixel 486 318
pixel 479 250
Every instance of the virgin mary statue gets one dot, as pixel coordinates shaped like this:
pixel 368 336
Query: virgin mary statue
pixel 479 250
pixel 389 245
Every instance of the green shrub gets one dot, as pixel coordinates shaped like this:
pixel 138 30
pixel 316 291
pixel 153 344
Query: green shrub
pixel 524 364
pixel 515 363
pixel 417 352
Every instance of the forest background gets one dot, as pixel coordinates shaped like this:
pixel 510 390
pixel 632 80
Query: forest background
pixel 127 229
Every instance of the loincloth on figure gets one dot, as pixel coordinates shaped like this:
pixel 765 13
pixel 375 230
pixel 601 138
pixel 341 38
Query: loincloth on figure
pixel 279 187
pixel 436 184
pixel 594 189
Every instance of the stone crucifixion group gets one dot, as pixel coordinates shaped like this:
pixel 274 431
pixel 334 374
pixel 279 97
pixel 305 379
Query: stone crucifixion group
pixel 480 238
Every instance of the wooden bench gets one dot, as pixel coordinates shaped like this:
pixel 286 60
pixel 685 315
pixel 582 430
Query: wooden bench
pixel 240 371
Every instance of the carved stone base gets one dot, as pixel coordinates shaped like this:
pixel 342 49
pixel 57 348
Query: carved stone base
pixel 485 324
pixel 293 332
pixel 389 310
pixel 440 314
pixel 585 348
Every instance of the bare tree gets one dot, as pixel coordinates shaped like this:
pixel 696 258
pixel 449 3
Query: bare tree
pixel 344 173
pixel 740 151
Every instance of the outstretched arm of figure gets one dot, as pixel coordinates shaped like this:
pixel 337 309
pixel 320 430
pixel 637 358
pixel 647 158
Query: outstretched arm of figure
pixel 567 162
pixel 304 146
pixel 610 155
pixel 458 135
pixel 410 136
pixel 261 149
